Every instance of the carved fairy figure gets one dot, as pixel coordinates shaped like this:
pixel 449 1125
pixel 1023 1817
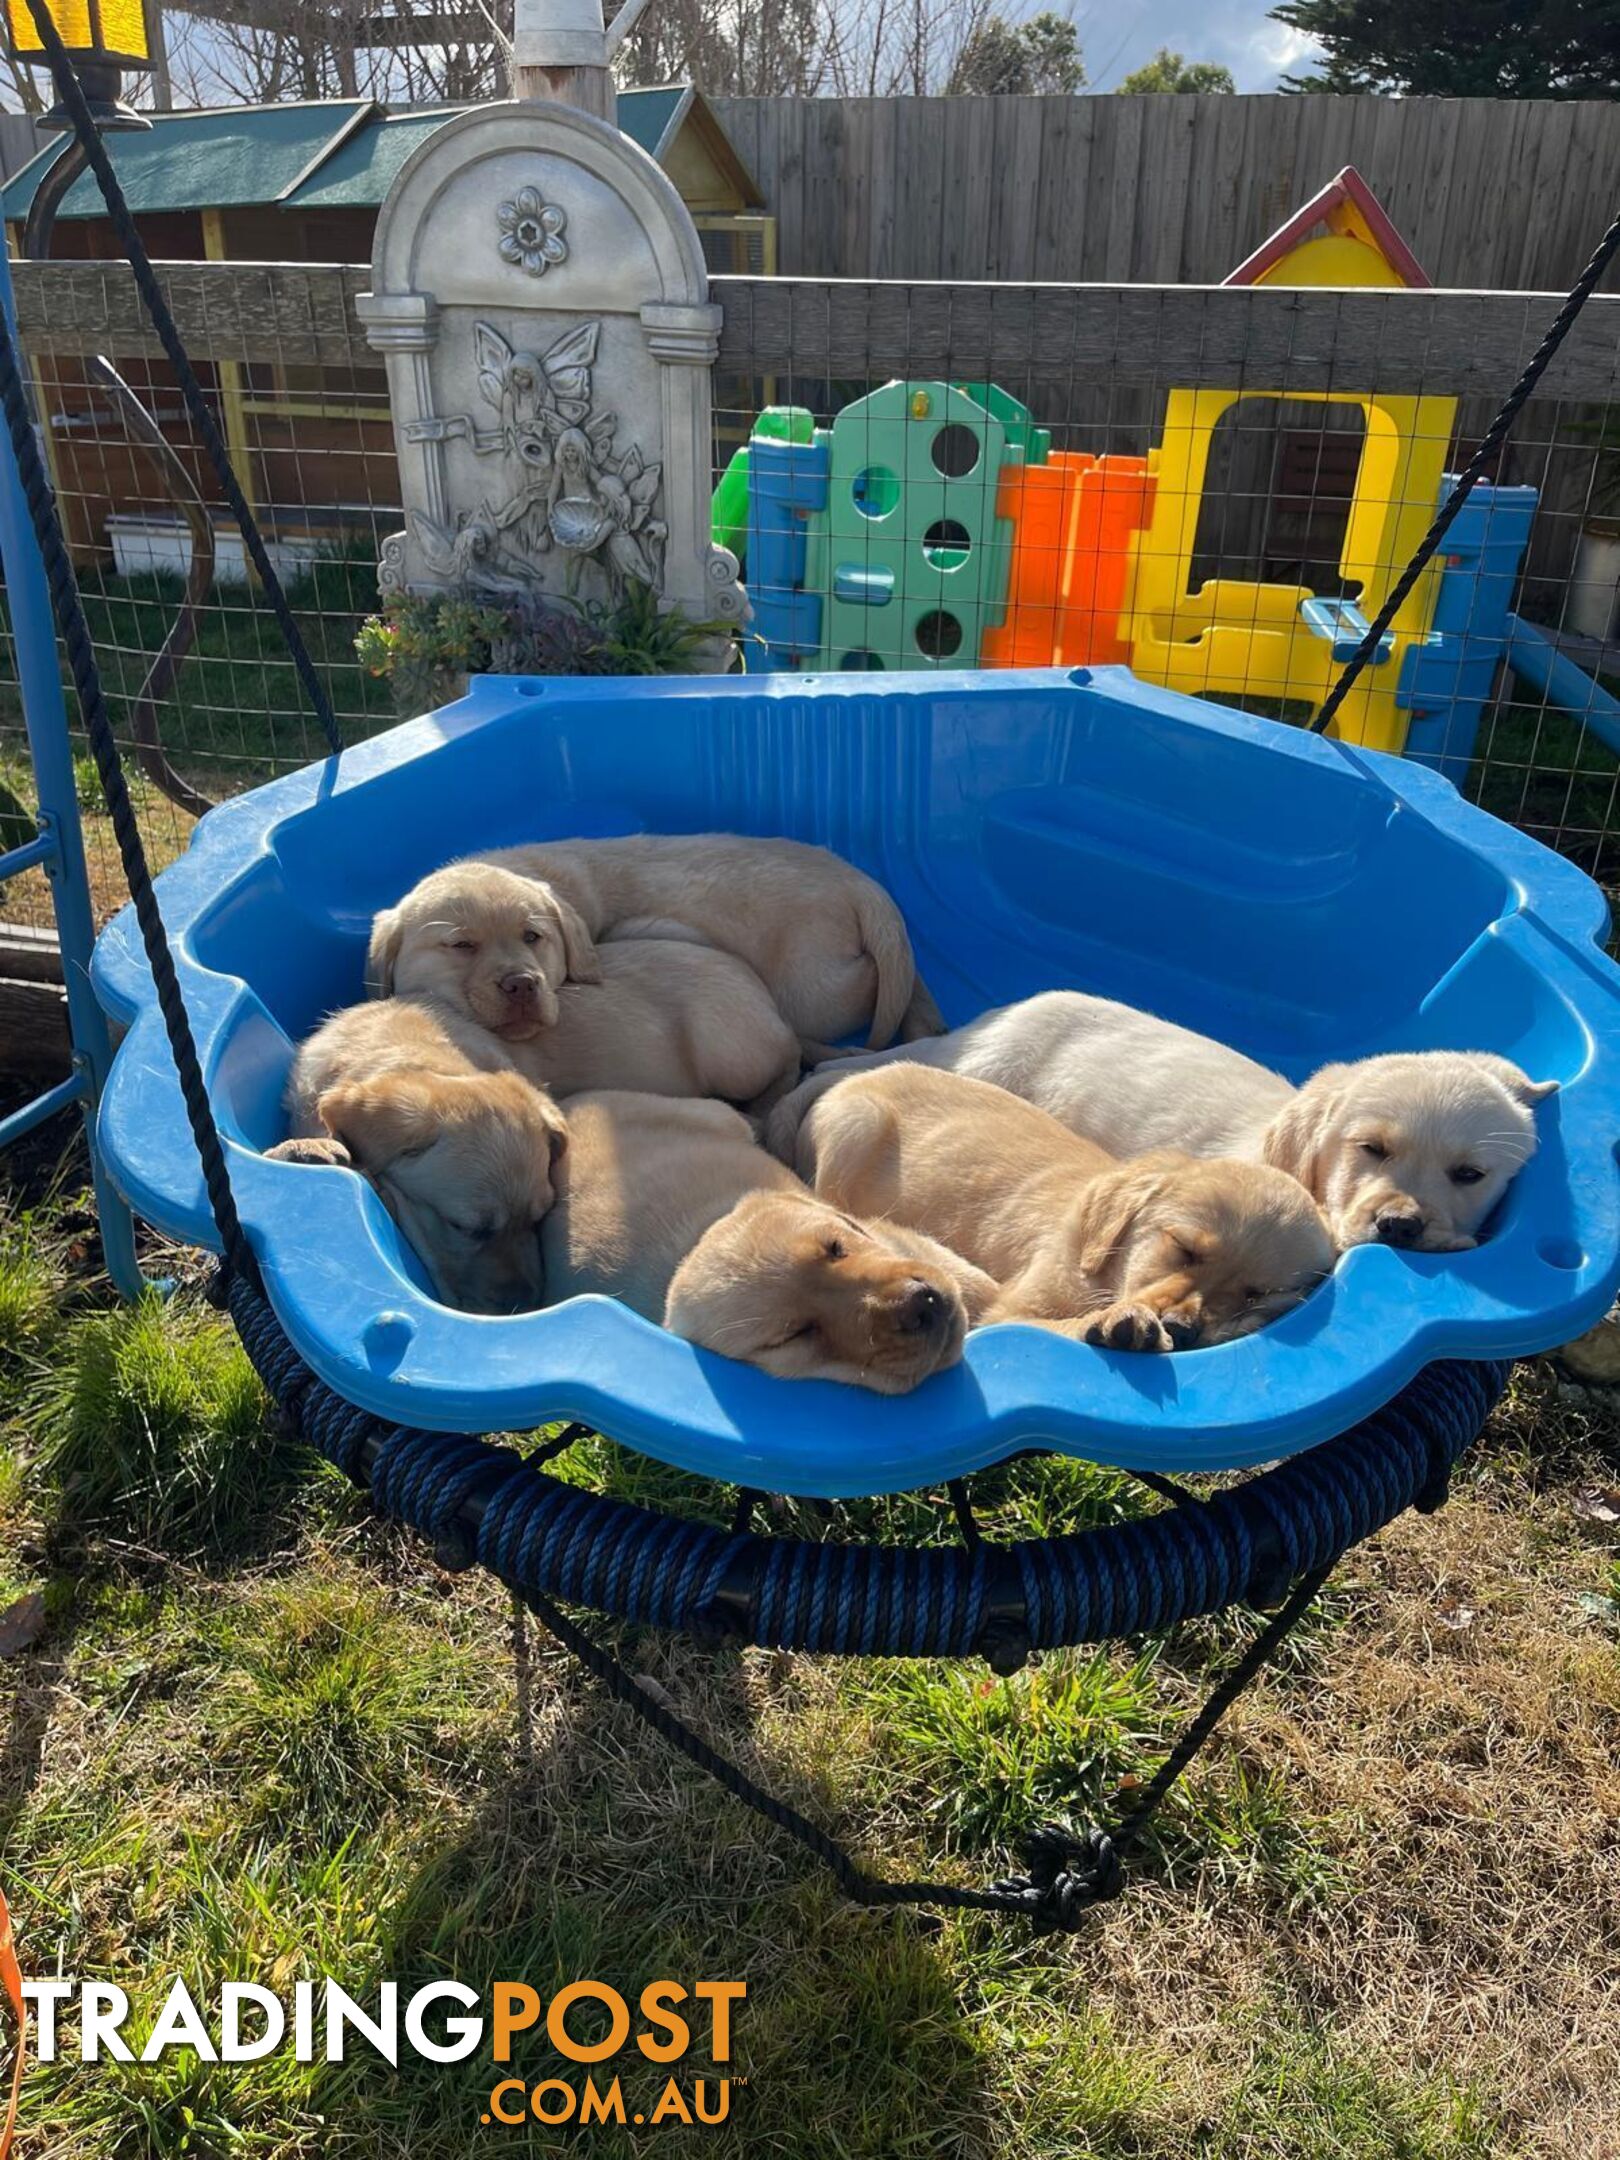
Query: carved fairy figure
pixel 605 510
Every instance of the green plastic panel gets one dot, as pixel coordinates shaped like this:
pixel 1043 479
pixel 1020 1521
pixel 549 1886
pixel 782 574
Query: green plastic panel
pixel 909 555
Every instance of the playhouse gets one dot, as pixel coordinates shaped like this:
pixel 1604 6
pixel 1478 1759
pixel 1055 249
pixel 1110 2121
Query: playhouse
pixel 933 525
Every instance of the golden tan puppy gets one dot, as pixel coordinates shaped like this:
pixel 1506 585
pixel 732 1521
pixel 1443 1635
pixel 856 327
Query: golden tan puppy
pixel 495 946
pixel 673 1209
pixel 1156 1254
pixel 658 1017
pixel 462 1151
pixel 825 939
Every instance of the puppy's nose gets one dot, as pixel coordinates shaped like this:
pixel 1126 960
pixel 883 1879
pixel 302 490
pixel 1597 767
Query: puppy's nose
pixel 520 985
pixel 1403 1230
pixel 921 1311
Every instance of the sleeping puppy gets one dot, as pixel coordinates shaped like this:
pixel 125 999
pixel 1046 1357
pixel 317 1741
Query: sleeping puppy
pixel 461 1150
pixel 1156 1254
pixel 1411 1149
pixel 825 939
pixel 665 1019
pixel 496 948
pixel 673 1209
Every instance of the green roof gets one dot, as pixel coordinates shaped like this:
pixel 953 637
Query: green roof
pixel 647 116
pixel 360 171
pixel 340 153
pixel 203 160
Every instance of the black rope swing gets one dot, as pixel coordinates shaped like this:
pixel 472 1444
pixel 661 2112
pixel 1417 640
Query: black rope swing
pixel 1270 1542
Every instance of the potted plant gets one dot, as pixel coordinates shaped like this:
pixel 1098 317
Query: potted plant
pixel 426 647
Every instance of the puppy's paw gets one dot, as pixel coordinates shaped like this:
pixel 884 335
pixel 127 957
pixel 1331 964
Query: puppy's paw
pixel 1128 1327
pixel 331 1152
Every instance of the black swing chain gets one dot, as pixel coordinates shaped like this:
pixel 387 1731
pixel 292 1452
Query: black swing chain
pixel 71 93
pixel 1468 479
pixel 1068 1869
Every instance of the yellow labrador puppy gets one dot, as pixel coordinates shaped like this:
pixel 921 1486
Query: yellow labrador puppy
pixel 661 1018
pixel 673 1208
pixel 461 1150
pixel 1412 1149
pixel 497 948
pixel 1157 1254
pixel 825 939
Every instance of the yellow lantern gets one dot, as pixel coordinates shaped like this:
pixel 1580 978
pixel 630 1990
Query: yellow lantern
pixel 102 37
pixel 111 33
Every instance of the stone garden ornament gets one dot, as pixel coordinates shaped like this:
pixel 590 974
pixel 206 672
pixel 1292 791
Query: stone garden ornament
pixel 540 298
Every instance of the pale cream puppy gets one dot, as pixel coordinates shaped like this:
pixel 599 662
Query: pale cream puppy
pixel 1156 1254
pixel 825 939
pixel 673 1209
pixel 1411 1149
pixel 462 1151
pixel 660 1017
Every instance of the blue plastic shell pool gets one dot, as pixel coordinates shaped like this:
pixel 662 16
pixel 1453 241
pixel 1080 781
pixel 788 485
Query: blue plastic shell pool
pixel 1298 899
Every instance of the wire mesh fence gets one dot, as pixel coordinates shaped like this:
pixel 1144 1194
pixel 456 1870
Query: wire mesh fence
pixel 1216 488
pixel 1213 487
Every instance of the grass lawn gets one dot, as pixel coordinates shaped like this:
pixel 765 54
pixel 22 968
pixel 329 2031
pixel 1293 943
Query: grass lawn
pixel 263 1735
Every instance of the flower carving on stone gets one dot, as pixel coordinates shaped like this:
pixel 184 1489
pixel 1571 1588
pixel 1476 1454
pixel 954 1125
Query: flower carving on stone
pixel 532 232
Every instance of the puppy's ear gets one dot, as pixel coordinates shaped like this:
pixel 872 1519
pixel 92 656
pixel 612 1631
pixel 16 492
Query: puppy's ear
pixel 379 1120
pixel 1517 1082
pixel 556 1140
pixel 1105 1218
pixel 1296 1136
pixel 382 955
pixel 579 947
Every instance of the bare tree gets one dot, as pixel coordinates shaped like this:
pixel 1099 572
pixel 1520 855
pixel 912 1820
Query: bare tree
pixel 431 52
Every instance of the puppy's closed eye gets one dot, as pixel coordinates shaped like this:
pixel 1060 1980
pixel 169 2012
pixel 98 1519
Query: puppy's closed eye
pixel 1466 1174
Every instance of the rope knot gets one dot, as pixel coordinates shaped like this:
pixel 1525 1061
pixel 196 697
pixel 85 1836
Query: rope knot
pixel 1069 1872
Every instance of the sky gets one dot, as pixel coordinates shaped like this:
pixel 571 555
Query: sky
pixel 1123 35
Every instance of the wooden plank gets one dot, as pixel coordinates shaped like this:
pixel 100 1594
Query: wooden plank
pixel 885 135
pixel 1468 343
pixel 1169 157
pixel 919 184
pixel 29 953
pixel 288 311
pixel 970 185
pixel 1464 343
pixel 34 1039
pixel 1016 196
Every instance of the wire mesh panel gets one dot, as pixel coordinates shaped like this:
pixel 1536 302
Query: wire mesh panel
pixel 205 697
pixel 1214 486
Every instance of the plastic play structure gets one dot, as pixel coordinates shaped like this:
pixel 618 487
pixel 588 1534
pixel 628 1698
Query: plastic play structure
pixel 932 525
pixel 1055 827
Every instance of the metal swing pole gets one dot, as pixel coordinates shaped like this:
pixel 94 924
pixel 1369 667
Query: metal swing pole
pixel 59 848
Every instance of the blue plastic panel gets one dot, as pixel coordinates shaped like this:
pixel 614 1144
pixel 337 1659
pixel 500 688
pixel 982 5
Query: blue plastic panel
pixel 1303 900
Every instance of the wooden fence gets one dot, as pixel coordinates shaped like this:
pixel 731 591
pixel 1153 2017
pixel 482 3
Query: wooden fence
pixel 1170 190
pixel 1467 343
pixel 1094 361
